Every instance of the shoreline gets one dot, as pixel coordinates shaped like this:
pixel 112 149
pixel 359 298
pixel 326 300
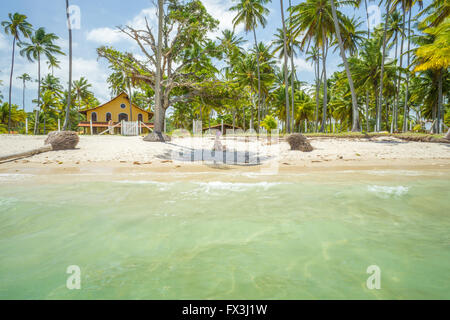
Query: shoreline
pixel 112 155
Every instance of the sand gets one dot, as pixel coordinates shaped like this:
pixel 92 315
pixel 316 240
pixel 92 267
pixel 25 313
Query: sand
pixel 195 154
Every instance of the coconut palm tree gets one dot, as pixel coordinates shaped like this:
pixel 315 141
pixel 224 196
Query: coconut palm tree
pixel 81 88
pixel 69 91
pixel 355 111
pixel 436 56
pixel 314 55
pixel 17 26
pixel 52 64
pixel 380 97
pixel 286 86
pixel 24 77
pixel 313 21
pixel 42 44
pixel 251 13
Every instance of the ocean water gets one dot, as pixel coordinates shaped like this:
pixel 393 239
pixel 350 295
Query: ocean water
pixel 299 237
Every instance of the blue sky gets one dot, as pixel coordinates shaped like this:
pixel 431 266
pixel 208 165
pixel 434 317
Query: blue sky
pixel 98 23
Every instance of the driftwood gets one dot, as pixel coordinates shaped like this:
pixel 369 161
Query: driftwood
pixel 26 153
pixel 56 140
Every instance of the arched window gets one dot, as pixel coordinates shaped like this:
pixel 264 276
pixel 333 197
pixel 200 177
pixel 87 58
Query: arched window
pixel 123 116
pixel 94 116
pixel 108 116
pixel 140 117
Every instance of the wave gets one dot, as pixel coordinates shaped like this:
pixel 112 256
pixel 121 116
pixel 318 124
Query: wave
pixel 388 191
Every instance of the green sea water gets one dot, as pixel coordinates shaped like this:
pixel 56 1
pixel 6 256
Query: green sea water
pixel 299 237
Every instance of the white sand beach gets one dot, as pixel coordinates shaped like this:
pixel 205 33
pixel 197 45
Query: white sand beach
pixel 190 154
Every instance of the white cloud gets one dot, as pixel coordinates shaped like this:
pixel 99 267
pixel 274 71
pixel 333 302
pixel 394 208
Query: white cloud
pixel 302 65
pixel 91 69
pixel 3 43
pixel 219 9
pixel 105 36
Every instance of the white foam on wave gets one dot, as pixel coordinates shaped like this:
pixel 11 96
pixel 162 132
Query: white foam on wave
pixel 386 191
pixel 14 176
pixel 236 186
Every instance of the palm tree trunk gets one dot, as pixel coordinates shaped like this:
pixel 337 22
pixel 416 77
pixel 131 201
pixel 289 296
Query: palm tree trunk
pixel 399 72
pixel 286 89
pixel 397 89
pixel 69 92
pixel 367 110
pixel 292 85
pixel 380 98
pixel 324 70
pixel 10 84
pixel 259 76
pixel 23 96
pixel 316 111
pixel 406 109
pixel 439 108
pixel 243 117
pixel 36 121
pixel 355 111
pixel 367 16
pixel 159 117
pixel 367 91
pixel 234 119
pixel 292 74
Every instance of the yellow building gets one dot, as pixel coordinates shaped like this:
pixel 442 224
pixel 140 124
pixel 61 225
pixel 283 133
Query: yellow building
pixel 113 112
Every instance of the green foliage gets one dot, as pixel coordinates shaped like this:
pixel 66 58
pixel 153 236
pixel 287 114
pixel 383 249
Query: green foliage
pixel 269 123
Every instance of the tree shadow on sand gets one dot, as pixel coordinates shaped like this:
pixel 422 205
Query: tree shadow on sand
pixel 214 158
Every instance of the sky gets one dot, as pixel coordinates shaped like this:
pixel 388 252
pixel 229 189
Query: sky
pixel 98 22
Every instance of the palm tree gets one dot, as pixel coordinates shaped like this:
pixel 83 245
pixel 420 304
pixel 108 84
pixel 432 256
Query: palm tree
pixel 53 63
pixel 81 88
pixel 355 111
pixel 408 8
pixel 41 44
pixel 17 26
pixel 69 91
pixel 380 98
pixel 435 56
pixel 314 55
pixel 313 20
pixel 397 28
pixel 251 13
pixel 24 77
pixel 286 87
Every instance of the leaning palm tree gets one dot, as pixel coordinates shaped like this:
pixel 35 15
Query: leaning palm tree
pixel 251 13
pixel 41 45
pixel 17 26
pixel 81 88
pixel 355 112
pixel 24 77
pixel 69 91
